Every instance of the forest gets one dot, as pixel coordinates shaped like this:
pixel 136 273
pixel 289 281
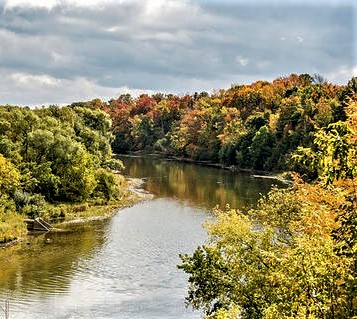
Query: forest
pixel 258 126
pixel 54 162
pixel 292 256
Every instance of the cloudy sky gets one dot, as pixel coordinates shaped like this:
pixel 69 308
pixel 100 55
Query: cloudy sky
pixel 60 51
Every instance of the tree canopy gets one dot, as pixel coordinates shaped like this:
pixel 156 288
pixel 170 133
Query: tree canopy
pixel 258 126
pixel 52 155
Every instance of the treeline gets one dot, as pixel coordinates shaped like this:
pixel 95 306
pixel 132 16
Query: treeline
pixel 51 158
pixel 257 126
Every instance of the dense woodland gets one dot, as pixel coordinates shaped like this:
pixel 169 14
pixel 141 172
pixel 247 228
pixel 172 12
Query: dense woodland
pixel 51 158
pixel 293 256
pixel 257 126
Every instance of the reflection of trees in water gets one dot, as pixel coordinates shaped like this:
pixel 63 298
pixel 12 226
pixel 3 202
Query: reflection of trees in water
pixel 46 263
pixel 200 185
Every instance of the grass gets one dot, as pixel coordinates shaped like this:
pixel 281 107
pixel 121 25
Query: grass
pixel 94 208
pixel 12 226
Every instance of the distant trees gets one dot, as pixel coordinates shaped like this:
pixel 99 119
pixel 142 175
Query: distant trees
pixel 257 126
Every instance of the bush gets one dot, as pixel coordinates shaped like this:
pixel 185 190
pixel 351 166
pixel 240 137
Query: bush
pixel 12 226
pixel 107 187
pixel 32 206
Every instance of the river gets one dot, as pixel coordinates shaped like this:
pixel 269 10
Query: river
pixel 124 267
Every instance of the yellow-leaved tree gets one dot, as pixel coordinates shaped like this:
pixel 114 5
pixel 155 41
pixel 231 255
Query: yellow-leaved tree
pixel 11 224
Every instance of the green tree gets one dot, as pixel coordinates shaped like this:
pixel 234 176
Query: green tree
pixel 106 187
pixel 261 147
pixel 331 157
pixel 77 174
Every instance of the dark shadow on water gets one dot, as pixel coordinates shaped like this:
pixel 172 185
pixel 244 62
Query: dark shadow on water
pixel 199 185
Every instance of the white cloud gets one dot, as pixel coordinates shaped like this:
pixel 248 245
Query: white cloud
pixel 50 4
pixel 151 8
pixel 28 80
pixel 182 37
pixel 47 4
pixel 155 8
pixel 242 60
pixel 299 39
pixel 342 75
pixel 44 90
pixel 60 58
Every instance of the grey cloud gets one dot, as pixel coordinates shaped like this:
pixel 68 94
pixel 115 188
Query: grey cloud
pixel 180 46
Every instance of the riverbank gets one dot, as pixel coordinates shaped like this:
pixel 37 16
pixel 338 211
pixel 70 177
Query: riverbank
pixel 284 177
pixel 13 230
pixel 133 194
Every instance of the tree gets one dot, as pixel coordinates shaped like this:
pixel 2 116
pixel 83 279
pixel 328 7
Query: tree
pixel 294 255
pixel 277 261
pixel 261 147
pixel 9 176
pixel 77 173
pixel 332 156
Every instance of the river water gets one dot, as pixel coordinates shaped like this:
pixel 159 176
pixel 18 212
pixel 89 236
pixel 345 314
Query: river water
pixel 124 267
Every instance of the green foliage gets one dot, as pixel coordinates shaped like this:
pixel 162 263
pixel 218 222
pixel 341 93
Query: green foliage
pixel 331 156
pixel 30 205
pixel 9 149
pixel 11 226
pixel 261 147
pixel 77 175
pixel 11 223
pixel 39 178
pixel 113 164
pixel 53 155
pixel 162 145
pixel 227 153
pixel 106 185
pixel 210 281
pixel 281 260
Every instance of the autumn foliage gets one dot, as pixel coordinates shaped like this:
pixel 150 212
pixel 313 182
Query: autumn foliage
pixel 295 254
pixel 258 126
pixel 292 256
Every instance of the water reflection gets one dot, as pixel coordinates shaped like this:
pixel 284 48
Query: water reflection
pixel 200 185
pixel 131 273
pixel 124 267
pixel 44 264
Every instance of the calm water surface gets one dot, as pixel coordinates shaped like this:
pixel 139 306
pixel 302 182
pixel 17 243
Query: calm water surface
pixel 124 267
